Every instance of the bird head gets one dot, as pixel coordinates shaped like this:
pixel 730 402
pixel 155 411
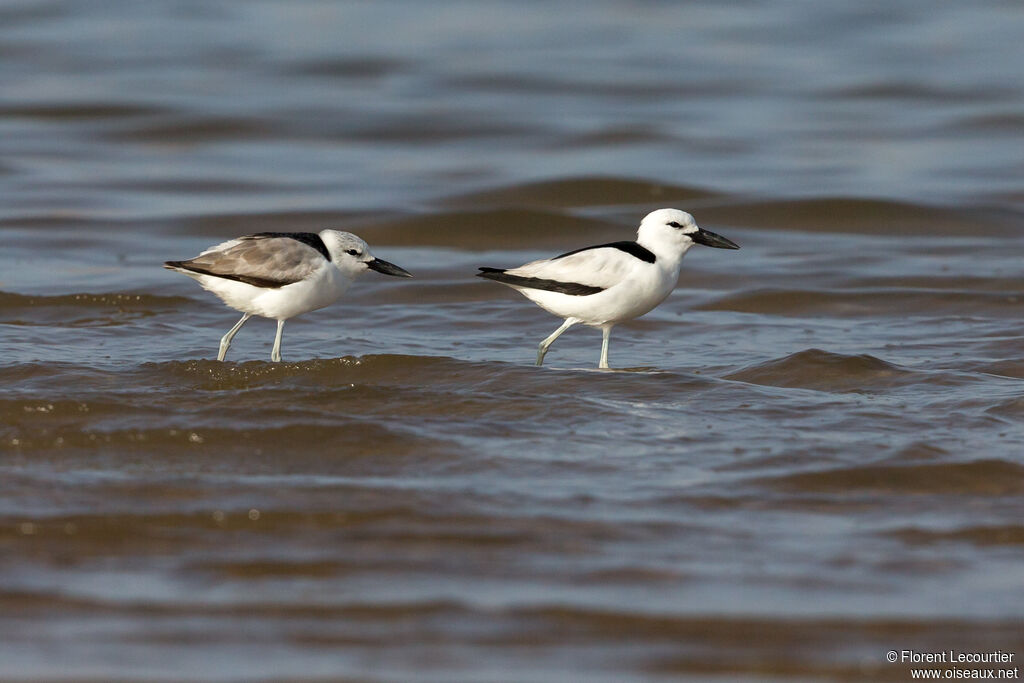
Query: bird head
pixel 352 255
pixel 676 230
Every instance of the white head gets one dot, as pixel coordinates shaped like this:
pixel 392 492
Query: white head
pixel 673 232
pixel 352 255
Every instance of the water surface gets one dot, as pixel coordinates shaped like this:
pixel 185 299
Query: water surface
pixel 810 454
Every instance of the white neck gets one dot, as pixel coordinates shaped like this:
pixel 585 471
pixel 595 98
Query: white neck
pixel 669 253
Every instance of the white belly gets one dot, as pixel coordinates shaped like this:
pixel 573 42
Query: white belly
pixel 627 300
pixel 280 303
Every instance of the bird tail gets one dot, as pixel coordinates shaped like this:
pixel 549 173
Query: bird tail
pixel 491 273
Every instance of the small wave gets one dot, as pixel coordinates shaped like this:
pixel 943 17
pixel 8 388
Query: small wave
pixel 980 478
pixel 60 111
pixel 228 225
pixel 423 386
pixel 863 303
pixel 191 185
pixel 652 90
pixel 443 293
pixel 615 136
pixel 919 451
pixel 83 309
pixel 117 300
pixel 863 217
pixel 582 191
pixel 490 229
pixel 80 224
pixel 180 128
pixel 1003 368
pixel 825 371
pixel 1011 408
pixel 1008 121
pixel 422 372
pixel 415 129
pixel 941 283
pixel 362 446
pixel 910 90
pixel 348 68
pixel 327 371
pixel 1010 535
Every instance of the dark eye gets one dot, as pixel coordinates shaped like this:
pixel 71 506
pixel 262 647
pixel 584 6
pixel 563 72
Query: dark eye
pixel 673 224
pixel 353 252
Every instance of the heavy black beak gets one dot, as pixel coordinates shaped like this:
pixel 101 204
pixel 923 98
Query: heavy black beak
pixel 387 268
pixel 710 239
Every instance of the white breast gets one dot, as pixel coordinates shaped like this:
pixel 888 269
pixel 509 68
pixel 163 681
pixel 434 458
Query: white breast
pixel 645 287
pixel 321 288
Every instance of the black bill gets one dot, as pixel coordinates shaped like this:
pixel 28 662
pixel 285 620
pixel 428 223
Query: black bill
pixel 387 268
pixel 710 239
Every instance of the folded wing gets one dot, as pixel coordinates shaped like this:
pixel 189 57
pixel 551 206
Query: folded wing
pixel 260 260
pixel 579 273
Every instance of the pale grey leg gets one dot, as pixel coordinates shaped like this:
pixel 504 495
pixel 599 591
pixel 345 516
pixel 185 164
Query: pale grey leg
pixel 543 348
pixel 225 341
pixel 275 354
pixel 606 332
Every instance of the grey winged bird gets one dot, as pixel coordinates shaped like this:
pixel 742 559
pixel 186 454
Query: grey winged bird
pixel 279 275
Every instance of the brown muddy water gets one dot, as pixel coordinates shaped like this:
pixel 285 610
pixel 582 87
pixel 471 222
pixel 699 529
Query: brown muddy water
pixel 812 452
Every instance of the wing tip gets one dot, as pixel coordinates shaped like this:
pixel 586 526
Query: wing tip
pixel 490 273
pixel 521 282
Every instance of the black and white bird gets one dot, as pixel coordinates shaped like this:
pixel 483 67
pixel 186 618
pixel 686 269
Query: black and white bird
pixel 279 275
pixel 607 284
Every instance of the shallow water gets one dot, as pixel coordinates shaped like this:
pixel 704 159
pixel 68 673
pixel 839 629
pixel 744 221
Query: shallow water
pixel 811 454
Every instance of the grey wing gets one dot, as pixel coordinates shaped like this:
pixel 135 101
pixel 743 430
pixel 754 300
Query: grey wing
pixel 262 261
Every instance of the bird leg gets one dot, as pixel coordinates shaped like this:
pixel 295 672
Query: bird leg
pixel 225 341
pixel 606 332
pixel 275 353
pixel 543 348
